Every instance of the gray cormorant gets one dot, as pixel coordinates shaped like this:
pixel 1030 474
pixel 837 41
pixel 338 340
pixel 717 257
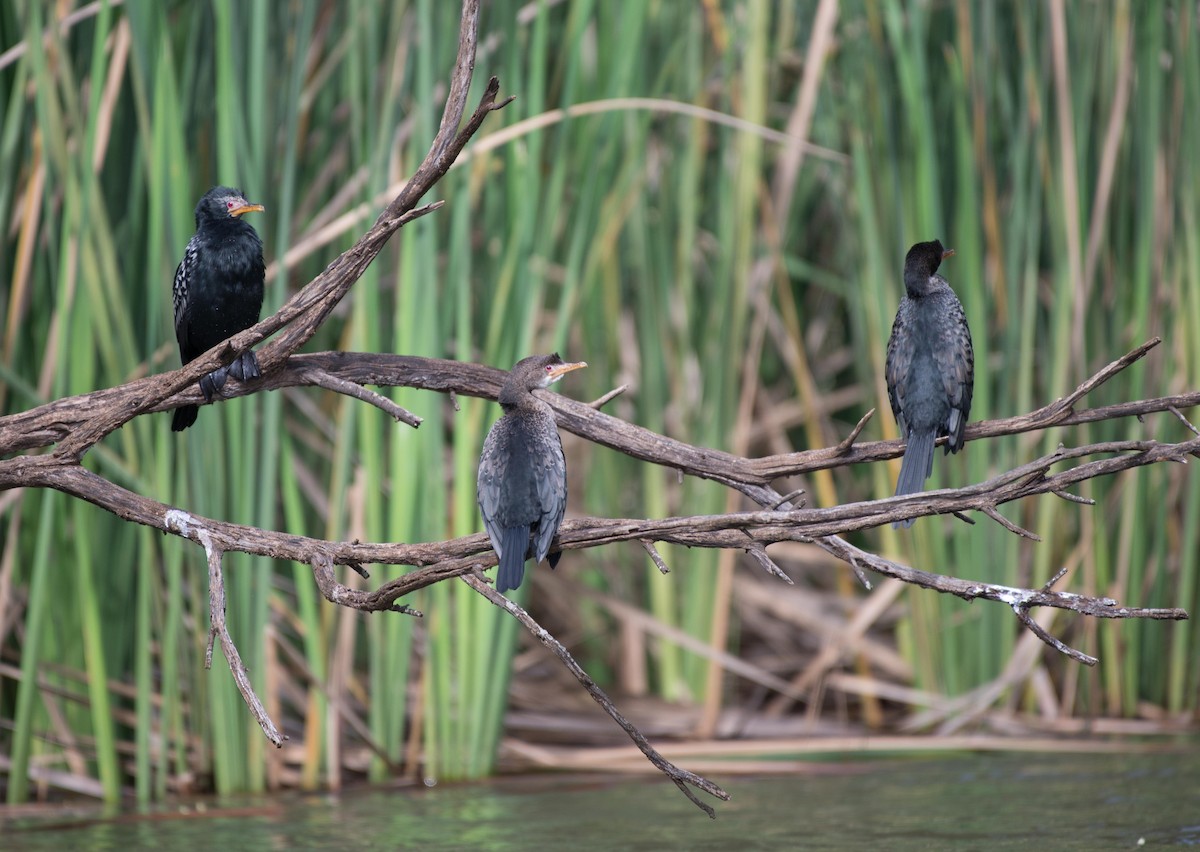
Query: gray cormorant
pixel 522 487
pixel 930 366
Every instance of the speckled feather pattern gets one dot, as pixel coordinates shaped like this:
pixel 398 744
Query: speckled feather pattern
pixel 522 484
pixel 930 372
pixel 217 291
pixel 931 333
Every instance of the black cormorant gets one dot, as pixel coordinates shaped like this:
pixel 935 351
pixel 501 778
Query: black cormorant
pixel 218 289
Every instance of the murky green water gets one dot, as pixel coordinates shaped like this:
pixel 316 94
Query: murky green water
pixel 984 801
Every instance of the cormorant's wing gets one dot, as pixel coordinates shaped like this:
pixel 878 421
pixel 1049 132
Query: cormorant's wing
pixel 488 487
pixel 901 350
pixel 185 280
pixel 955 358
pixel 551 483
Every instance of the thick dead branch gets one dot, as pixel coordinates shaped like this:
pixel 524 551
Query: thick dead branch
pixel 453 558
pixel 457 557
pixel 50 423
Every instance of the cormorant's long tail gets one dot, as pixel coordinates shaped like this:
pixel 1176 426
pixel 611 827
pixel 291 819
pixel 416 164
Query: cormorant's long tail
pixel 514 542
pixel 916 467
pixel 184 417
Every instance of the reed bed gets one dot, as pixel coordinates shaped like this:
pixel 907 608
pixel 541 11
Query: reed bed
pixel 708 202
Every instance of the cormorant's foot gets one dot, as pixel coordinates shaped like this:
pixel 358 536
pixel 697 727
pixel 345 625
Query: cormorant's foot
pixel 245 366
pixel 211 384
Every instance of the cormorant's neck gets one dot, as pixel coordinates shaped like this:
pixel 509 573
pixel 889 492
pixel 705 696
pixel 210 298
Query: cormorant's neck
pixel 512 395
pixel 224 225
pixel 519 399
pixel 917 284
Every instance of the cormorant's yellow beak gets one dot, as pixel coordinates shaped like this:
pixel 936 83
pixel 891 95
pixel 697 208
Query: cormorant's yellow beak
pixel 945 254
pixel 558 371
pixel 247 208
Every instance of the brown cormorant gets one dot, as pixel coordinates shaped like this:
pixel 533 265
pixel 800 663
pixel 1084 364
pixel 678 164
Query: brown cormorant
pixel 522 487
pixel 930 366
pixel 218 290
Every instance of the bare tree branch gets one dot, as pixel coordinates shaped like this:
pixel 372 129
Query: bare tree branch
pixel 683 779
pixel 51 423
pixel 751 531
pixel 455 558
pixel 337 384
pixel 219 631
pixel 1021 600
pixel 654 555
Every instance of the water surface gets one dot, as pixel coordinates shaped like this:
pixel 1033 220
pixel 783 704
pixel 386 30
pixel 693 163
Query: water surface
pixel 971 801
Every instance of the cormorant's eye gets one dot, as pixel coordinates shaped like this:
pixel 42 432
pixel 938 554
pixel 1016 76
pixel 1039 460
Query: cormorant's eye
pixel 228 205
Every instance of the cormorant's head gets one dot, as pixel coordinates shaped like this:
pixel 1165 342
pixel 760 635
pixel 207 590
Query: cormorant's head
pixel 539 371
pixel 921 262
pixel 223 202
pixel 536 371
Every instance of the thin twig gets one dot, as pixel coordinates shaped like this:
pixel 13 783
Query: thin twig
pixel 1062 407
pixel 1060 646
pixel 788 498
pixel 1074 498
pixel 991 512
pixel 1187 423
pixel 848 442
pixel 683 779
pixel 341 595
pixel 608 397
pixel 859 573
pixel 768 564
pixel 218 630
pixel 326 380
pixel 655 557
pixel 1049 584
pixel 1021 600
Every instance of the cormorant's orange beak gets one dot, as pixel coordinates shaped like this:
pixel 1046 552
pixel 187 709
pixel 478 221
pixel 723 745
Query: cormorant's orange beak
pixel 247 208
pixel 558 371
pixel 945 254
